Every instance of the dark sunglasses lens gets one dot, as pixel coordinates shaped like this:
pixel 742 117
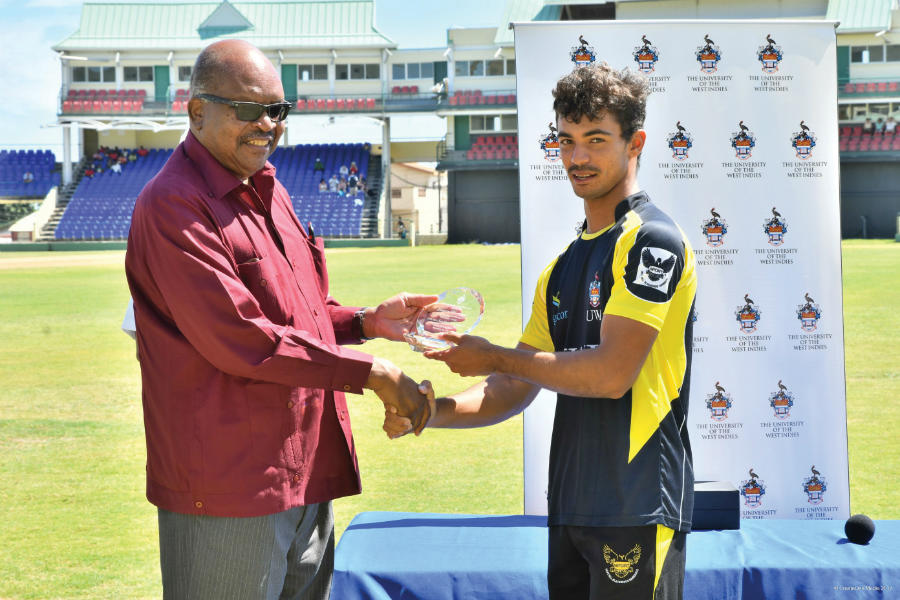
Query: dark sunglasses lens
pixel 249 111
pixel 279 112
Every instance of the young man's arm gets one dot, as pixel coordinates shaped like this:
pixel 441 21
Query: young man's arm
pixel 607 371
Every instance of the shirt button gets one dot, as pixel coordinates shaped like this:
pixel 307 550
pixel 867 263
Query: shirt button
pixel 296 478
pixel 263 282
pixel 290 404
pixel 341 415
pixel 347 387
pixel 198 504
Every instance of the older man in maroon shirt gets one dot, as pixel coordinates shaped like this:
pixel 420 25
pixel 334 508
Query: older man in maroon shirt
pixel 241 349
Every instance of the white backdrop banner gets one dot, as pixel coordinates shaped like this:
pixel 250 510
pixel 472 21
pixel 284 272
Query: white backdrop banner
pixel 742 152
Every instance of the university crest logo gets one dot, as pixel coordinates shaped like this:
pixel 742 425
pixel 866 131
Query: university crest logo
pixel 714 229
pixel 743 142
pixel 582 54
pixel 594 290
pixel 679 142
pixel 769 55
pixel 753 490
pixel 621 567
pixel 809 314
pixel 748 315
pixel 550 144
pixel 815 487
pixel 718 403
pixel 646 55
pixel 708 55
pixel 803 142
pixel 781 401
pixel 775 228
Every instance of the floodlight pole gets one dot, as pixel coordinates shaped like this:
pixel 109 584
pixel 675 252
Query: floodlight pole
pixel 386 177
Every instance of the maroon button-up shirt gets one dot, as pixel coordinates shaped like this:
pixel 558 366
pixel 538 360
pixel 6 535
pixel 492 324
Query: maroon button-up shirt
pixel 238 342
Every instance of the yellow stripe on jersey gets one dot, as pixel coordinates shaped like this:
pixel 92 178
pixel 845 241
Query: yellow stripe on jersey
pixel 664 537
pixel 537 331
pixel 660 379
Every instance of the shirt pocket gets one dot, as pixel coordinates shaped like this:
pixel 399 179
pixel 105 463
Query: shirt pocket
pixel 270 407
pixel 264 283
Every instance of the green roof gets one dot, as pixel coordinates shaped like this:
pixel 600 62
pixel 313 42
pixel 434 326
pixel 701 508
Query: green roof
pixel 860 16
pixel 192 25
pixel 518 11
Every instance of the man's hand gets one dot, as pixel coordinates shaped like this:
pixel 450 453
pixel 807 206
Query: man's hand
pixel 395 316
pixel 396 426
pixel 470 356
pixel 396 390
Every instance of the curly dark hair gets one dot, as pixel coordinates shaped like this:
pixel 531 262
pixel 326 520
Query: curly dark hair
pixel 595 90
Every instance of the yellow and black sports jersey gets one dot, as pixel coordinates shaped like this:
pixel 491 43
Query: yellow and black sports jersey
pixel 626 461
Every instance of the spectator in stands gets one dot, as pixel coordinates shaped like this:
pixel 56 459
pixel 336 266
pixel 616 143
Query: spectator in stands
pixel 879 125
pixel 323 185
pixel 132 156
pixel 352 182
pixel 113 154
pixel 890 125
pixel 342 186
pixel 319 166
pixel 143 151
pixel 868 126
pixel 362 184
pixel 333 183
pixel 27 177
pixel 98 155
pixel 123 159
pixel 353 168
pixel 344 171
pixel 116 167
pixel 401 228
pixel 89 172
pixel 241 352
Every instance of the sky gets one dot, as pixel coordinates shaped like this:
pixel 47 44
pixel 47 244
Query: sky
pixel 30 71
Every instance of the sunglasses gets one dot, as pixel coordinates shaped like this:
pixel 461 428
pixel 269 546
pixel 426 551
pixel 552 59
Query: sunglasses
pixel 251 111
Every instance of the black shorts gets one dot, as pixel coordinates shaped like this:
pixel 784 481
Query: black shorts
pixel 632 563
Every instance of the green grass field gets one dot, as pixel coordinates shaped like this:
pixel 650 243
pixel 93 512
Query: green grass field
pixel 75 523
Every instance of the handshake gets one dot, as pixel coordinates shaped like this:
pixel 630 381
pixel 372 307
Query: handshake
pixel 410 406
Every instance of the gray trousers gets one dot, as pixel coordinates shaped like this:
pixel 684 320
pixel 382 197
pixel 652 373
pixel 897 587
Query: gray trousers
pixel 288 555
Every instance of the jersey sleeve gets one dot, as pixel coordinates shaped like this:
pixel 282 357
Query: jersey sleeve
pixel 647 270
pixel 537 331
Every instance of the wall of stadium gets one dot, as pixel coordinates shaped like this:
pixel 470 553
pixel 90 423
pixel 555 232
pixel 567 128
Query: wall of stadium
pixel 483 206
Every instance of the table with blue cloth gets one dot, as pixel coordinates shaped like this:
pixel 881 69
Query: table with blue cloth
pixel 432 556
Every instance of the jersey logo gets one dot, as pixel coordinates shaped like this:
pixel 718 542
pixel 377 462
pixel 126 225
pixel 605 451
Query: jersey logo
pixel 655 270
pixel 621 566
pixel 594 290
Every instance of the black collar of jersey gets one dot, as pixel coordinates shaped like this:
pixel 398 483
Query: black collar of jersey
pixel 630 203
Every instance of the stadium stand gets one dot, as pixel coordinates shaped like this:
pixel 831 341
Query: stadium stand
pixel 41 164
pixel 494 147
pixel 852 139
pixel 101 206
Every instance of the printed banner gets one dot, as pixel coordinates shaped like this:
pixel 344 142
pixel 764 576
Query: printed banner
pixel 742 152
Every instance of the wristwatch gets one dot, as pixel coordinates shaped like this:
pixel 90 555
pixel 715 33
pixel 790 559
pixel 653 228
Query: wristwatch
pixel 359 318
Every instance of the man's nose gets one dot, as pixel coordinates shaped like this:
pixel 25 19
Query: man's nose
pixel 265 122
pixel 580 155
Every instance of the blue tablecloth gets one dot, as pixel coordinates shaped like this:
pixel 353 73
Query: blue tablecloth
pixel 429 556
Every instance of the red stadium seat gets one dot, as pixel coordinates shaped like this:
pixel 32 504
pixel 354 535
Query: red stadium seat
pixel 370 103
pixel 72 93
pixel 137 105
pixel 67 106
pixel 301 104
pixel 126 106
pixel 107 106
pixel 77 106
pixel 321 104
pixel 870 87
pixel 329 103
pixel 117 105
pixel 470 154
pixel 132 92
pixel 892 86
pixel 476 92
pixel 404 89
pixel 360 104
pixel 492 99
pixel 848 88
pixel 882 86
pixel 340 104
pixel 413 89
pixel 101 93
pixel 97 106
pixel 452 100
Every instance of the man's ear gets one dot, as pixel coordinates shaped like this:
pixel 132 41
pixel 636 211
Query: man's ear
pixel 196 112
pixel 636 144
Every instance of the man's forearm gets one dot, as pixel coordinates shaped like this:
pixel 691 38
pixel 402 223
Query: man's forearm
pixel 488 402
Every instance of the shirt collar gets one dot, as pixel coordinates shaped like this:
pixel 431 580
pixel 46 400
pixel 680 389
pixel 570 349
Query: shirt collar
pixel 220 180
pixel 630 203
